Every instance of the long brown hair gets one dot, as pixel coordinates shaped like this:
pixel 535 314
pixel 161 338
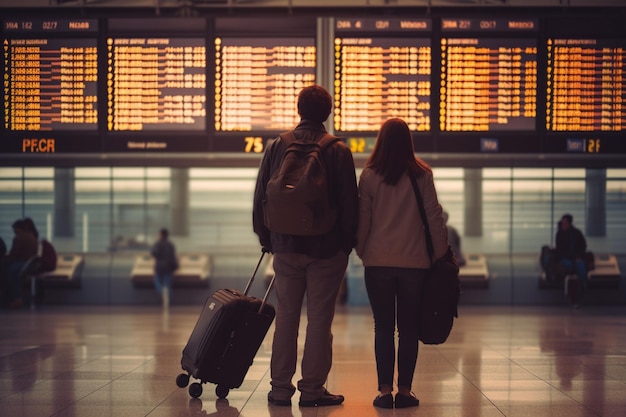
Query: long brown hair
pixel 393 153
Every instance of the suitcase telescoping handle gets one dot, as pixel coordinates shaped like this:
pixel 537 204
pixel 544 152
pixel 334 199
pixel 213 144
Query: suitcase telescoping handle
pixel 251 280
pixel 267 292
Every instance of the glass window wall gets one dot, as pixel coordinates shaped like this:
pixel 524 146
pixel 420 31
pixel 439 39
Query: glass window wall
pixel 111 215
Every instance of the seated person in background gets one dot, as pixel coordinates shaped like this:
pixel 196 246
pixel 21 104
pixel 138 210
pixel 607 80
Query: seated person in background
pixel 454 240
pixel 29 227
pixel 571 247
pixel 44 249
pixel 24 246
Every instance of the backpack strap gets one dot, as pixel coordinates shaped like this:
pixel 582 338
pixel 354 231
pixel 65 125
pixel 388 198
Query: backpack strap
pixel 288 137
pixel 327 139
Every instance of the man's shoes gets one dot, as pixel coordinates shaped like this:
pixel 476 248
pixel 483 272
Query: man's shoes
pixel 404 401
pixel 273 401
pixel 384 401
pixel 326 399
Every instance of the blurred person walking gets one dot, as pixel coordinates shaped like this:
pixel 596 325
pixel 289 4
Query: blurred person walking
pixel 165 263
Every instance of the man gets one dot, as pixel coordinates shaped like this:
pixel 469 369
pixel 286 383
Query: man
pixel 165 263
pixel 308 265
pixel 570 250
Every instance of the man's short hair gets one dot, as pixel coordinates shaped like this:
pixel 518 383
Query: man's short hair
pixel 568 217
pixel 165 233
pixel 314 103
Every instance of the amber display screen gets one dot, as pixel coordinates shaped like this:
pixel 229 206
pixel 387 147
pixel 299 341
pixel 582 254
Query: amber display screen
pixel 488 84
pixel 50 84
pixel 494 82
pixel 380 78
pixel 156 84
pixel 585 87
pixel 257 81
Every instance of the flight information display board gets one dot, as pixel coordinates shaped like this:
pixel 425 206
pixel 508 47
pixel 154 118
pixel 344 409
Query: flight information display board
pixel 585 88
pixel 379 75
pixel 488 79
pixel 488 84
pixel 50 84
pixel 257 81
pixel 156 84
pixel 380 78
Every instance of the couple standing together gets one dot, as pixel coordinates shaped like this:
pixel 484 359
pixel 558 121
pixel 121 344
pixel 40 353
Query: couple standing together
pixel 379 218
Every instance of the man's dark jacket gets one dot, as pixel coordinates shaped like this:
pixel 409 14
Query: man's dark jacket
pixel 343 191
pixel 164 253
pixel 570 244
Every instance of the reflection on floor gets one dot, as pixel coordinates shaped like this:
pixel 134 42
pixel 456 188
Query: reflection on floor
pixel 499 361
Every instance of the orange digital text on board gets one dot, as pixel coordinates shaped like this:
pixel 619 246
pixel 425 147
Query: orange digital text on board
pixel 38 145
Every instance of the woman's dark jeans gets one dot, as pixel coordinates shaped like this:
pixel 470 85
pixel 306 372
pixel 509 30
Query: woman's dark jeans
pixel 392 290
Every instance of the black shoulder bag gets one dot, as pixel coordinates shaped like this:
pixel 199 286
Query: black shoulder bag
pixel 440 296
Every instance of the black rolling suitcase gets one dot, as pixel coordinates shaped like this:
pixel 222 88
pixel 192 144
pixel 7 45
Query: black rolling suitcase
pixel 225 340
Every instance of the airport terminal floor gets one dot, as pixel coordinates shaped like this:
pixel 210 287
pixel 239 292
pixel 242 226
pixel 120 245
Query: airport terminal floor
pixel 498 362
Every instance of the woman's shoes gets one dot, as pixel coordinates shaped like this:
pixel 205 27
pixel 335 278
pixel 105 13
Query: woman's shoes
pixel 404 401
pixel 384 401
pixel 401 401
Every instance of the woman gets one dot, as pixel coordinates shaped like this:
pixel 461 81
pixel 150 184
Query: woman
pixel 392 245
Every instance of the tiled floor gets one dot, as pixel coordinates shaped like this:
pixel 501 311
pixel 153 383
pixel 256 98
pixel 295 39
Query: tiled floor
pixel 499 361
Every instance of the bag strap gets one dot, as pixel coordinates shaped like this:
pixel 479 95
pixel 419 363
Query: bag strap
pixel 288 137
pixel 327 139
pixel 420 205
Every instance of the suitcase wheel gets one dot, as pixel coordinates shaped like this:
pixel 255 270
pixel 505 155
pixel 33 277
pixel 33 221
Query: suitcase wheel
pixel 221 391
pixel 195 390
pixel 182 380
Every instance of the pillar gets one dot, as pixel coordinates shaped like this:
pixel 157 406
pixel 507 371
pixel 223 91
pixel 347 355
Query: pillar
pixel 595 202
pixel 179 202
pixel 473 196
pixel 64 204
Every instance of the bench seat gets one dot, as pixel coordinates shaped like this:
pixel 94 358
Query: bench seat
pixel 67 274
pixel 474 274
pixel 606 273
pixel 193 270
